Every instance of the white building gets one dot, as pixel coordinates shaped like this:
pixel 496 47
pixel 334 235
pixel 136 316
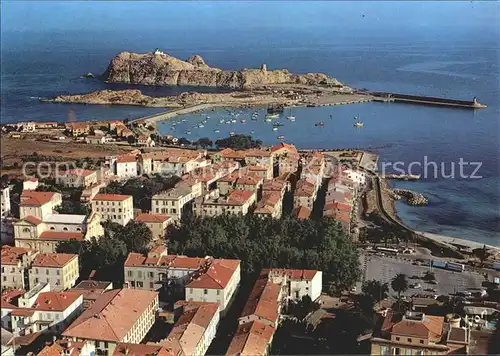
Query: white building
pixel 126 166
pixel 216 281
pixel 5 201
pixel 30 184
pixel 60 270
pixel 297 282
pixel 15 264
pixel 38 204
pixel 77 178
pixel 115 207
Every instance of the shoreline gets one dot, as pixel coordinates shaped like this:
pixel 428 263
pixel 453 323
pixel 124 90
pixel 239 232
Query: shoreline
pixel 453 241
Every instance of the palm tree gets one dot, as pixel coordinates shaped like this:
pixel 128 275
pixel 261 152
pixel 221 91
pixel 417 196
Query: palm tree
pixel 399 284
pixel 375 289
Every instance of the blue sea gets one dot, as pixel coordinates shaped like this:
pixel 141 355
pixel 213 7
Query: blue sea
pixel 452 51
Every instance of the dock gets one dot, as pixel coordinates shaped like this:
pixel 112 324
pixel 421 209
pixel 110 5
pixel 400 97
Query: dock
pixel 425 100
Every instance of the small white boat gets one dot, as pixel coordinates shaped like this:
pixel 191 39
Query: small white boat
pixel 233 121
pixel 201 125
pixel 221 121
pixel 358 124
pixel 243 121
pixel 232 133
pixel 291 117
pixel 272 116
pixel 217 131
pixel 275 128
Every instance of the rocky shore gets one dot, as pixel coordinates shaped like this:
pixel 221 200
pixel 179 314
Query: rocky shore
pixel 412 198
pixel 159 68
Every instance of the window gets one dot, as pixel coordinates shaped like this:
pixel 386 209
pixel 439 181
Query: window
pixel 105 344
pixel 58 272
pixel 409 340
pixel 130 273
pixel 190 290
pixel 397 338
pixel 52 228
pixel 4 278
pixel 421 341
pixel 78 229
pixel 47 271
pixel 26 229
pixel 205 291
pixel 218 291
pixel 151 285
pixel 151 274
pixel 65 229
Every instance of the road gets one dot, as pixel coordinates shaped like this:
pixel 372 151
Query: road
pixel 448 282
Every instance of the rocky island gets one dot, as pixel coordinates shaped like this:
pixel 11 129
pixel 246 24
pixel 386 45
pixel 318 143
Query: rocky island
pixel 159 68
pixel 252 87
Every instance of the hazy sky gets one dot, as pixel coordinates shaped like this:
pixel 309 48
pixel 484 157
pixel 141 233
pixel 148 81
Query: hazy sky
pixel 93 15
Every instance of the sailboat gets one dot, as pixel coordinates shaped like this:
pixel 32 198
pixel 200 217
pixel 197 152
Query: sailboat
pixel 291 117
pixel 358 124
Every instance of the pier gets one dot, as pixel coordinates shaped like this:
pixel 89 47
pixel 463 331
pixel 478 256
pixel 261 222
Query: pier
pixel 425 100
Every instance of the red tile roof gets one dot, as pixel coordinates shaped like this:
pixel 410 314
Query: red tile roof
pixel 240 197
pixel 123 349
pixel 55 301
pixel 251 339
pixel 338 206
pixel 112 315
pixel 63 347
pixel 152 218
pixel 217 276
pixel 294 274
pixel 283 145
pixel 10 297
pixel 61 235
pixel 53 259
pixel 173 261
pixel 257 153
pixel 13 255
pixel 301 212
pixel 249 180
pixel 430 328
pixel 263 301
pixel 189 330
pixel 32 197
pixel 111 197
pixel 125 159
pixel 32 219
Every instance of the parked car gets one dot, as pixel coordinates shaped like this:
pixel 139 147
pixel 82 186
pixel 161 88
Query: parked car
pixel 415 286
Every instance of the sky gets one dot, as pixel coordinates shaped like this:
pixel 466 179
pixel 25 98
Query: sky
pixel 54 16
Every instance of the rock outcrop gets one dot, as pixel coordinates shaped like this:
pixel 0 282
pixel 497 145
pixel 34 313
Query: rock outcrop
pixel 412 198
pixel 158 68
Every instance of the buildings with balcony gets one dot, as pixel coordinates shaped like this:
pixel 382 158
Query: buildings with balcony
pixel 60 270
pixel 117 316
pixel 115 207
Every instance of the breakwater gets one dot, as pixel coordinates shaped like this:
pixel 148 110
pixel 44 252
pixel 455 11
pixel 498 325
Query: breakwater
pixel 413 198
pixel 426 100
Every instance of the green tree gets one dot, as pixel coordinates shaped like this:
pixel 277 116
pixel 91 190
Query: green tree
pixel 375 289
pixel 204 142
pixel 399 284
pixel 429 276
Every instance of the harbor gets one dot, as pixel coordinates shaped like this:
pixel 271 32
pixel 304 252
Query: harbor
pixel 425 100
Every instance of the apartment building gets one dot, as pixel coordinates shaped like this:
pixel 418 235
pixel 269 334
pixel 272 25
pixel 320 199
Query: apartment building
pixel 297 282
pixel 157 223
pixel 419 334
pixel 179 163
pixel 77 178
pixel 265 172
pixel 5 201
pixel 38 204
pixel 283 149
pixel 305 193
pixel 157 269
pixel 15 265
pixel 259 157
pixel 117 316
pixel 227 184
pixel 238 202
pixel 249 182
pixel 194 330
pixel 215 281
pixel 126 166
pixel 252 338
pixel 313 167
pixel 271 205
pixel 172 201
pixel 39 310
pixel 115 207
pixel 60 270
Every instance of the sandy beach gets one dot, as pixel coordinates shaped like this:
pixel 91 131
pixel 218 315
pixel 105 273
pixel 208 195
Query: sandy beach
pixel 449 240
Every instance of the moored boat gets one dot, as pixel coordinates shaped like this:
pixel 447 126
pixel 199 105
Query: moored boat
pixel 319 123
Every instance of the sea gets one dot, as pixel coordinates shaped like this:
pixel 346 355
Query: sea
pixel 458 62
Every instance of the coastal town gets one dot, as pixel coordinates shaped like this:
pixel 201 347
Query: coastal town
pixel 119 241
